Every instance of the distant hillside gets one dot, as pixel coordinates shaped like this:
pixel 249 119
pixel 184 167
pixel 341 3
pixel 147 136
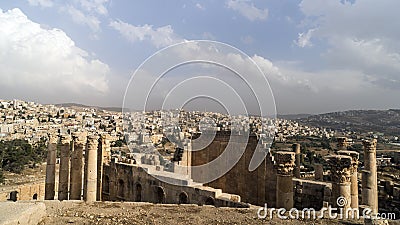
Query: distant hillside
pixel 384 121
pixel 111 109
pixel 294 116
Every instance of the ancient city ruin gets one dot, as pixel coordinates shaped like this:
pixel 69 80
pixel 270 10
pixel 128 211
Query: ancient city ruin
pixel 88 171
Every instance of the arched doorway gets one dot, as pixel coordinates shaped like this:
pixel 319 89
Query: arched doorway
pixel 210 201
pixel 13 196
pixel 121 188
pixel 35 196
pixel 138 196
pixel 183 198
pixel 160 194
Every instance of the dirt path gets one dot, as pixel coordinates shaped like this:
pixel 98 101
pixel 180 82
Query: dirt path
pixel 74 212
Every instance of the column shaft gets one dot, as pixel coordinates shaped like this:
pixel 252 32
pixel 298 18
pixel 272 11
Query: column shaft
pixel 76 167
pixel 91 179
pixel 51 168
pixel 319 172
pixel 296 150
pixel 285 162
pixel 64 168
pixel 369 176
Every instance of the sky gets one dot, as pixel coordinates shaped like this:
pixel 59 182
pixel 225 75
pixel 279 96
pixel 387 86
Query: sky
pixel 317 55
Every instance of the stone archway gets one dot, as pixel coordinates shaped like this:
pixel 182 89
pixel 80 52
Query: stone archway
pixel 160 195
pixel 210 201
pixel 35 196
pixel 121 188
pixel 13 196
pixel 138 196
pixel 183 198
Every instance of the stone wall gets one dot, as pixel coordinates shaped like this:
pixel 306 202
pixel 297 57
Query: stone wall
pixel 311 194
pixel 255 187
pixel 131 182
pixel 34 191
pixel 389 196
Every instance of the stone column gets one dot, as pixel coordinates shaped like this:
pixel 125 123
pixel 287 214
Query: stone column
pixel 319 172
pixel 354 176
pixel 369 176
pixel 104 144
pixel 64 168
pixel 91 178
pixel 340 176
pixel 296 150
pixel 51 168
pixel 76 166
pixel 342 143
pixel 285 162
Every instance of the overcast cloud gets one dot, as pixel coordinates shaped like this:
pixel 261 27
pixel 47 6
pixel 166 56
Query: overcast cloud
pixel 317 55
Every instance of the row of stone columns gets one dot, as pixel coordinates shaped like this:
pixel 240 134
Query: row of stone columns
pixel 70 171
pixel 344 176
pixel 353 176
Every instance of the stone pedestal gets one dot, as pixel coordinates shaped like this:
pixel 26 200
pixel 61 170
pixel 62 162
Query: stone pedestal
pixel 64 168
pixel 369 176
pixel 76 166
pixel 51 168
pixel 296 150
pixel 91 178
pixel 319 172
pixel 285 162
pixel 354 176
pixel 341 181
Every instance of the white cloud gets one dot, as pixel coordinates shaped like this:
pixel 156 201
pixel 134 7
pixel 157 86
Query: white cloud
pixel 159 37
pixel 83 19
pixel 247 9
pixel 43 63
pixel 304 39
pixel 199 6
pixel 42 3
pixel 97 6
pixel 362 36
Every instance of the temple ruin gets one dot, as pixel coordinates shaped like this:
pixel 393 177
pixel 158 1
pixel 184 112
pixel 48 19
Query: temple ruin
pixel 89 172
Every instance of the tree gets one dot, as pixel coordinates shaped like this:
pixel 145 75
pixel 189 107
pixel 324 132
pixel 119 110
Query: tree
pixel 1 176
pixel 15 154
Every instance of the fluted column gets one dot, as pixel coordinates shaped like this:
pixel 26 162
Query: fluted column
pixel 64 167
pixel 369 176
pixel 76 166
pixel 354 176
pixel 51 168
pixel 285 163
pixel 91 178
pixel 340 176
pixel 296 150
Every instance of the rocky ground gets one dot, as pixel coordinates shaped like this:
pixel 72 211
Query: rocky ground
pixel 77 212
